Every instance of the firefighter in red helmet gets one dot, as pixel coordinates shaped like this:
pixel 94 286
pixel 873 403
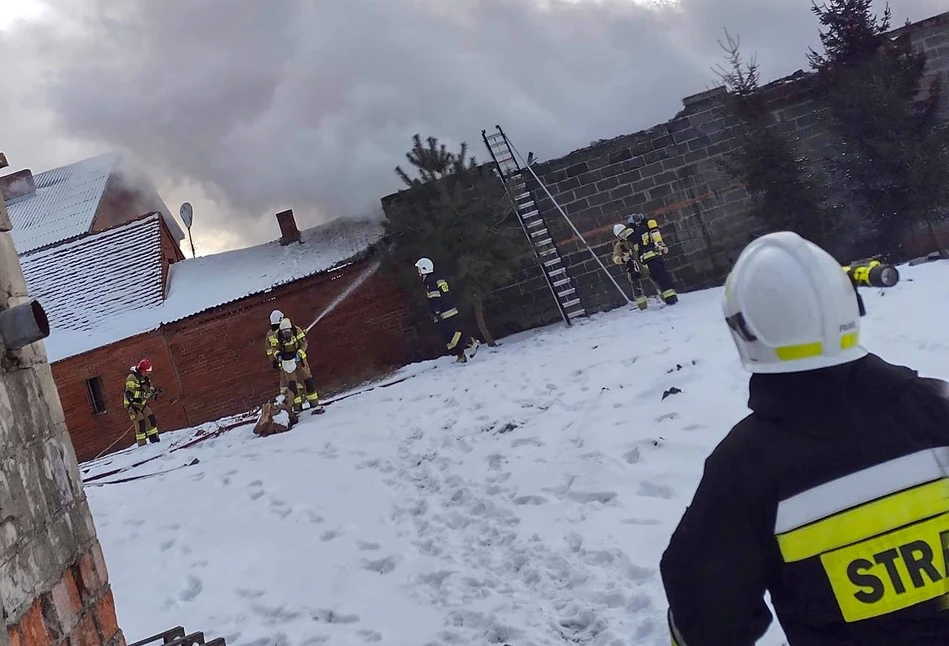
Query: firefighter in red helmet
pixel 139 391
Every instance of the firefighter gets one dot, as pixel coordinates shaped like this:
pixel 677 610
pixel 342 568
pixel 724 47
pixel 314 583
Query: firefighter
pixel 271 349
pixel 291 352
pixel 444 312
pixel 833 494
pixel 648 249
pixel 623 255
pixel 139 391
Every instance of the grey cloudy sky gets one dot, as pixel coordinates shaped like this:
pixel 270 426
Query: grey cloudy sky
pixel 247 107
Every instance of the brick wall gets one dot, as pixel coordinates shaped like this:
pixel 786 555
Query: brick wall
pixel 213 364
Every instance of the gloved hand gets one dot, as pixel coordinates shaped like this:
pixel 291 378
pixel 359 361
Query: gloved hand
pixel 627 257
pixel 664 249
pixel 299 357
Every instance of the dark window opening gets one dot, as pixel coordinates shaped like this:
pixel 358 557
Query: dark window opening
pixel 94 386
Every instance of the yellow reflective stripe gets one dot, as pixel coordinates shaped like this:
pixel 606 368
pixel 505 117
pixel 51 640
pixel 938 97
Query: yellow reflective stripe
pixel 447 314
pixel 649 255
pixel 302 354
pixel 454 340
pixel 815 349
pixel 668 293
pixel 865 521
pixel 434 294
pixel 442 285
pixel 891 572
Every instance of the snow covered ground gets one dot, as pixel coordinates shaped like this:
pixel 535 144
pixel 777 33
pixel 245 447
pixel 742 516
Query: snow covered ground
pixel 523 499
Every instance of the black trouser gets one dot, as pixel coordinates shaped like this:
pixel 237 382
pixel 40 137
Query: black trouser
pixel 660 275
pixel 455 338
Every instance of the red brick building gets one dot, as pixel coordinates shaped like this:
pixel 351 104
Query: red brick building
pixel 115 294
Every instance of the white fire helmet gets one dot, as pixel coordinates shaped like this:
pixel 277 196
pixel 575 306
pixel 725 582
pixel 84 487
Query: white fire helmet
pixel 285 324
pixel 275 317
pixel 618 230
pixel 425 266
pixel 790 307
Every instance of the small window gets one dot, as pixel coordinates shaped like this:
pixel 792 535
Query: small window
pixel 94 385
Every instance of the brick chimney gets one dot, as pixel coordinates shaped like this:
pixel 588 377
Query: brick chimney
pixel 288 228
pixel 17 184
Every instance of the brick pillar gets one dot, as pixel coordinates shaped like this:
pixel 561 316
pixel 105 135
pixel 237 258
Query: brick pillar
pixel 54 587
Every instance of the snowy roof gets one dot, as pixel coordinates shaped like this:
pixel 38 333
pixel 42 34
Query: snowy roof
pixel 64 205
pixel 200 284
pixel 93 279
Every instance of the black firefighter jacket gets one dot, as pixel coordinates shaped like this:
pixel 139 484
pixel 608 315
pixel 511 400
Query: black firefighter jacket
pixel 832 496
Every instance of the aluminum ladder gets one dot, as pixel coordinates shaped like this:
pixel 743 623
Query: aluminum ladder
pixel 542 244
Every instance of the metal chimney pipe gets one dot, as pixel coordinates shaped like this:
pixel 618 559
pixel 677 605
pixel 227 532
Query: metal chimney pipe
pixel 23 324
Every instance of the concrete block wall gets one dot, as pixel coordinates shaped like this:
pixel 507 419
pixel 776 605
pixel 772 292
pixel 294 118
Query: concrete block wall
pixel 54 585
pixel 672 173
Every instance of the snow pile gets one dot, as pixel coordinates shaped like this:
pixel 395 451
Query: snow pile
pixel 523 499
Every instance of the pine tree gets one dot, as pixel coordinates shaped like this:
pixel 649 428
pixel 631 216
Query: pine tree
pixel 457 213
pixel 783 193
pixel 894 148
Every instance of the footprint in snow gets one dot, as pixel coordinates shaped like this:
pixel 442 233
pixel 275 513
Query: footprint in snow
pixel 527 441
pixel 370 635
pixel 167 545
pixel 192 590
pixel 367 546
pixel 602 497
pixel 694 427
pixel 530 500
pixel 331 617
pixel 329 535
pixel 385 565
pixel 639 521
pixel 653 490
pixel 666 416
pixel 633 456
pixel 313 517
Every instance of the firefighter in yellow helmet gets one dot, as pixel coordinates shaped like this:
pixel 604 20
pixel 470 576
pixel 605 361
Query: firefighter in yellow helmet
pixel 139 391
pixel 270 347
pixel 291 353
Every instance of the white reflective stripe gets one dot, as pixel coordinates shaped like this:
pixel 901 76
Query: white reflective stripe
pixel 861 487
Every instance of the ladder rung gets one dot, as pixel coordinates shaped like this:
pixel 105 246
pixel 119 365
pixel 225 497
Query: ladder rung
pixel 560 283
pixel 574 314
pixel 567 292
pixel 575 301
pixel 557 272
pixel 506 160
pixel 541 243
pixel 540 232
pixel 536 223
pixel 530 214
pixel 551 263
pixel 523 195
pixel 548 252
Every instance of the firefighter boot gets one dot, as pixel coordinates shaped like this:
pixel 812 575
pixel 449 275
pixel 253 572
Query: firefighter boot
pixel 473 345
pixel 140 436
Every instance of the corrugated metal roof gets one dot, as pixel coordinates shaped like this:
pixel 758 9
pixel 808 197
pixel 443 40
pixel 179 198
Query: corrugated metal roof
pixel 85 283
pixel 64 205
pixel 201 284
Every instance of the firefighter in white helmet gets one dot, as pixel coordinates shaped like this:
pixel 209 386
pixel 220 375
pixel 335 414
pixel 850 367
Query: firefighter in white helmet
pixel 833 494
pixel 445 313
pixel 292 355
pixel 625 255
pixel 270 344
